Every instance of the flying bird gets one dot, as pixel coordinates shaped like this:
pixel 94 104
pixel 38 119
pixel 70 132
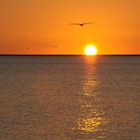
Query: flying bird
pixel 81 24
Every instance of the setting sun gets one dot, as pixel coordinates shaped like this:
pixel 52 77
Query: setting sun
pixel 90 50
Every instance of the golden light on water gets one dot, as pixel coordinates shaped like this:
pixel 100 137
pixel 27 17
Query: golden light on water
pixel 89 124
pixel 90 120
pixel 90 50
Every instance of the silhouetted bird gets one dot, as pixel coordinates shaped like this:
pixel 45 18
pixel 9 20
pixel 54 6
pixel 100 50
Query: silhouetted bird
pixel 81 24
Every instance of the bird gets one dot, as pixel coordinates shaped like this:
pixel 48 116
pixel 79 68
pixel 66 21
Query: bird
pixel 81 24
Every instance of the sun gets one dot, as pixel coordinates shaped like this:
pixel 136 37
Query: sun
pixel 90 50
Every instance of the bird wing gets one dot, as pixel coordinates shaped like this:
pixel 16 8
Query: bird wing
pixel 75 24
pixel 81 24
pixel 87 23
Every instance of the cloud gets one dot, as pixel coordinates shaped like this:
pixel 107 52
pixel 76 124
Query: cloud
pixel 18 43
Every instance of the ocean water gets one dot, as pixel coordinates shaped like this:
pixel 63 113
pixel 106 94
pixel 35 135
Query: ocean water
pixel 69 98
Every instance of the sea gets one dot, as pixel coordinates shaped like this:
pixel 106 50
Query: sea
pixel 69 97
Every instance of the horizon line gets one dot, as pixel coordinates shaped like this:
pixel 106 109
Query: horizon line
pixel 68 55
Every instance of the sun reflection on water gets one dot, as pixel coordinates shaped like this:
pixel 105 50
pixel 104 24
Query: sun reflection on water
pixel 89 82
pixel 90 119
pixel 89 124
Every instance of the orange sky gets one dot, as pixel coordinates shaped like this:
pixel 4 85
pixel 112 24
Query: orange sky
pixel 43 26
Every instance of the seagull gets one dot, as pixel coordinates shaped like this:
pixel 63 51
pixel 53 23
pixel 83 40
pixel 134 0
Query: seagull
pixel 81 24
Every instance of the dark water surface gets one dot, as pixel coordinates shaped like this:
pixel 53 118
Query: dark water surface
pixel 69 98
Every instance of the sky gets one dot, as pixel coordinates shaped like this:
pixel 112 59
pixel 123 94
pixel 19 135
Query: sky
pixel 43 26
